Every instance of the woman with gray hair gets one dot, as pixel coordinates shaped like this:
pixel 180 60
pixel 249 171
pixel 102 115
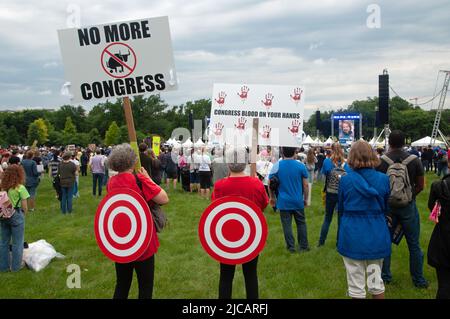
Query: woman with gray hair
pixel 240 184
pixel 123 160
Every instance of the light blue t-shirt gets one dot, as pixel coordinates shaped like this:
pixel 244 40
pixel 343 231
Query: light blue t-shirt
pixel 290 192
pixel 328 165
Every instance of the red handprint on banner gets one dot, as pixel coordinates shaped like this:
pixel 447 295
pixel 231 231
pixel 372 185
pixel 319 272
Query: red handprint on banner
pixel 244 92
pixel 268 102
pixel 297 95
pixel 241 124
pixel 221 98
pixel 266 132
pixel 295 127
pixel 218 128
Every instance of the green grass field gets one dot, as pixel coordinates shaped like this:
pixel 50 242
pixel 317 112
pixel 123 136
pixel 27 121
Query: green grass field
pixel 183 269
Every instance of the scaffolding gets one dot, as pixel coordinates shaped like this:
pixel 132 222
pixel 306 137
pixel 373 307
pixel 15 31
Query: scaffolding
pixel 437 119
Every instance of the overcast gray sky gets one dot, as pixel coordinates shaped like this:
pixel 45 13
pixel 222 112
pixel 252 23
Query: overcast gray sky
pixel 325 45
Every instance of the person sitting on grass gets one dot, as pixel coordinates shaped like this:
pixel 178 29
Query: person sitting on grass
pixel 123 160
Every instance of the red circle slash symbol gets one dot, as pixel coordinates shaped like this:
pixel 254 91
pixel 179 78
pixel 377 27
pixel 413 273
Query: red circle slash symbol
pixel 118 60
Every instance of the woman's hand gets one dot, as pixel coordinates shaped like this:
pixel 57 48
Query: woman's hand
pixel 144 172
pixel 272 202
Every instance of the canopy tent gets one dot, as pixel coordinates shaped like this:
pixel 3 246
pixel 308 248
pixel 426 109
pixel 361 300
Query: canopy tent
pixel 317 142
pixel 188 143
pixel 427 141
pixel 328 142
pixel 176 144
pixel 308 140
pixel 199 143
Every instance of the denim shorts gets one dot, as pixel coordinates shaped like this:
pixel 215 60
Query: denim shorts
pixel 31 190
pixel 193 177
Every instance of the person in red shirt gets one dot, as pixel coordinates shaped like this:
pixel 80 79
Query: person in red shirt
pixel 239 184
pixel 123 160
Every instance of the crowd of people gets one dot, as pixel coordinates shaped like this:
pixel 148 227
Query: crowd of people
pixel 361 184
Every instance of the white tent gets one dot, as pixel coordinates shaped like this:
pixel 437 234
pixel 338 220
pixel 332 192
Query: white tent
pixel 188 143
pixel 199 143
pixel 308 140
pixel 426 141
pixel 317 142
pixel 176 144
pixel 328 142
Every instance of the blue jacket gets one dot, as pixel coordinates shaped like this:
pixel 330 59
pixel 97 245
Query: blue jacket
pixel 363 202
pixel 32 175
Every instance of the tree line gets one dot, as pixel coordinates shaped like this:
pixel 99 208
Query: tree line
pixel 105 122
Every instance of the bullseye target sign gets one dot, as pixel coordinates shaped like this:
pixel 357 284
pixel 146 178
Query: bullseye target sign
pixel 233 230
pixel 123 225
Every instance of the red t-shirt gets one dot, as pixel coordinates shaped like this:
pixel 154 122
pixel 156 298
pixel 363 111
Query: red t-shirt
pixel 149 191
pixel 249 187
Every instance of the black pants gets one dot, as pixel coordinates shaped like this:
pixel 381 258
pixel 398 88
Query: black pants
pixel 83 169
pixel 250 276
pixel 443 277
pixel 97 179
pixel 145 271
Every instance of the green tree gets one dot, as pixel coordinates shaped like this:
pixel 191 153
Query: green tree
pixel 94 137
pixel 12 136
pixel 37 131
pixel 69 132
pixel 113 134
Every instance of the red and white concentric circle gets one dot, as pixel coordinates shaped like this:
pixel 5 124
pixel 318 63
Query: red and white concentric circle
pixel 123 225
pixel 233 230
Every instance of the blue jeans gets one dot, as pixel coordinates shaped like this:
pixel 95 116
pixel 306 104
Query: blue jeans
pixel 66 199
pixel 300 220
pixel 75 189
pixel 12 230
pixel 331 201
pixel 408 217
pixel 442 169
pixel 97 179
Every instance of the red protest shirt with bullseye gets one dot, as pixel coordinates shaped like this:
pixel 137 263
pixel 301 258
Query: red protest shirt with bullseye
pixel 149 191
pixel 233 229
pixel 249 187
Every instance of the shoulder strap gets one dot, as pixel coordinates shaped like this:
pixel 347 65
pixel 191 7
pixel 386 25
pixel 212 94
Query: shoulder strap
pixel 409 159
pixel 18 201
pixel 387 160
pixel 138 181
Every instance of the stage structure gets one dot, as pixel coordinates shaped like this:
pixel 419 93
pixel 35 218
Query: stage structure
pixel 346 127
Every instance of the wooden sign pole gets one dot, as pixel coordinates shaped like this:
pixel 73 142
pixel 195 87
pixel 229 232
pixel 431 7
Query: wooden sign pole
pixel 131 131
pixel 254 150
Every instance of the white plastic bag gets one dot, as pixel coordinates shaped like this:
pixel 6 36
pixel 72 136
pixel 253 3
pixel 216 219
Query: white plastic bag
pixel 39 254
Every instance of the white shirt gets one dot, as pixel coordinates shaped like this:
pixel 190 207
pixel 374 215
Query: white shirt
pixel 205 163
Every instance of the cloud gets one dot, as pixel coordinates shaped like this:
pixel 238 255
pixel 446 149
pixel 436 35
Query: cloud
pixel 45 92
pixel 52 64
pixel 324 45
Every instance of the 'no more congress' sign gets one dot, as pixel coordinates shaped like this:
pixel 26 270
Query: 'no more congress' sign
pixel 118 59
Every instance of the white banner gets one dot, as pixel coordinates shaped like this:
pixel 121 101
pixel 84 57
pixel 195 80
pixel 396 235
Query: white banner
pixel 118 59
pixel 279 109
